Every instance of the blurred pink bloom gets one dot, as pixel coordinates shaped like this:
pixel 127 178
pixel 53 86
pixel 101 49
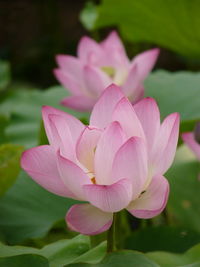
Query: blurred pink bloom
pixel 115 163
pixel 97 66
pixel 189 140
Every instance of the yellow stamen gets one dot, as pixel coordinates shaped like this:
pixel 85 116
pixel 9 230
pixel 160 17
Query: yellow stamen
pixel 93 180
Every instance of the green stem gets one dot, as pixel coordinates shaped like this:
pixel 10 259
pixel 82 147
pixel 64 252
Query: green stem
pixel 111 246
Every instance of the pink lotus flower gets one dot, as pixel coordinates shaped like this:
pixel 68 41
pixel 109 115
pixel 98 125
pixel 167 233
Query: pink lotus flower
pixel 99 65
pixel 115 163
pixel 190 139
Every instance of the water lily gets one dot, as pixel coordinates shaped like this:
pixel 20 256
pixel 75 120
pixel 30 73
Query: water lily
pixel 115 163
pixel 97 65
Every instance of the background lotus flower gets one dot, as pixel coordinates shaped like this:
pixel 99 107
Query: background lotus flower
pixel 115 163
pixel 192 140
pixel 97 65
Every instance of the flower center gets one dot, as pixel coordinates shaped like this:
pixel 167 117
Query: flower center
pixel 110 71
pixel 117 75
